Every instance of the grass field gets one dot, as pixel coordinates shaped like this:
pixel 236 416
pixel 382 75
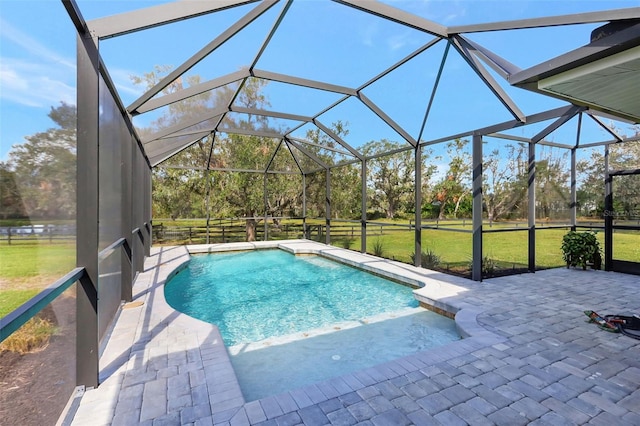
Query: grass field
pixel 29 266
pixel 26 267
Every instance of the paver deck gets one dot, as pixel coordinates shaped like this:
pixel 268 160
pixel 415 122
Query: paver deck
pixel 529 357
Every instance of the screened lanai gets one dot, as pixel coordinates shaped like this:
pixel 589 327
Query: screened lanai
pixel 326 92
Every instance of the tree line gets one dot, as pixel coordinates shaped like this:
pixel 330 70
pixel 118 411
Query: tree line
pixel 38 180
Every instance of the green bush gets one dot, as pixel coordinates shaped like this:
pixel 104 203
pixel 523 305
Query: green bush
pixel 428 259
pixel 581 249
pixel 378 248
pixel 347 243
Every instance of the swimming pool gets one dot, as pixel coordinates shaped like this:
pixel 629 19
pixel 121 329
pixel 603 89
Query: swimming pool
pixel 289 321
pixel 259 294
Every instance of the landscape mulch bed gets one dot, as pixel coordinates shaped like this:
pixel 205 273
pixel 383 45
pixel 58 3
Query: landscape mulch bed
pixel 35 387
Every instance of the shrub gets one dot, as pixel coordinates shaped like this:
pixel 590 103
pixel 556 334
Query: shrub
pixel 378 248
pixel 581 248
pixel 347 243
pixel 489 266
pixel 429 259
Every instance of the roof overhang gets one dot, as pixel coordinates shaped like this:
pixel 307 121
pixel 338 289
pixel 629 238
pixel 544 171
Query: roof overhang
pixel 603 75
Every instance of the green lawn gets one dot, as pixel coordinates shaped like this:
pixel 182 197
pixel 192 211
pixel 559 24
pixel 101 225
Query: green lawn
pixel 28 266
pixel 11 299
pixel 32 258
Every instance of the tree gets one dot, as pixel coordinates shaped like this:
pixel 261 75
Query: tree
pixel 505 180
pixel 591 172
pixel 393 177
pixel 44 169
pixel 345 180
pixel 454 187
pixel 11 205
pixel 552 189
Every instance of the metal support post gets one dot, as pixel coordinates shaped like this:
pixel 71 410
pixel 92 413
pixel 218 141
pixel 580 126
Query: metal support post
pixel 573 205
pixel 265 237
pixel 327 174
pixel 476 269
pixel 147 208
pixel 304 206
pixel 88 195
pixel 608 214
pixel 363 217
pixel 126 292
pixel 531 213
pixel 418 206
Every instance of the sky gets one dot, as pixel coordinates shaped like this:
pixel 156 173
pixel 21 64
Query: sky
pixel 37 60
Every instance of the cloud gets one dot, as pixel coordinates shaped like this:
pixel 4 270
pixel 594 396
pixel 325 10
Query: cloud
pixel 36 76
pixel 34 84
pixel 368 34
pixel 122 80
pixel 22 39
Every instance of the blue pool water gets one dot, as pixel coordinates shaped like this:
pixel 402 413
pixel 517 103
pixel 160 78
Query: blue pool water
pixel 290 321
pixel 258 294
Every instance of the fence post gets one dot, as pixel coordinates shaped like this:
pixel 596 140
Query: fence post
pixel 190 242
pixel 9 235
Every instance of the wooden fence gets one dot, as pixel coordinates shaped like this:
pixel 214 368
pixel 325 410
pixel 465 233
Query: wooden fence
pixel 50 233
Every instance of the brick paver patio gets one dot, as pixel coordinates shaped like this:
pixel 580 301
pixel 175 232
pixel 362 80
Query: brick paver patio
pixel 530 358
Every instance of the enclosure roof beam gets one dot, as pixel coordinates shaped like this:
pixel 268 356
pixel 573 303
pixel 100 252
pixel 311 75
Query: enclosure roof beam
pixel 387 153
pixel 309 154
pixel 399 63
pixel 249 132
pixel 162 146
pixel 388 120
pixel 186 124
pixel 208 129
pixel 344 163
pixel 396 15
pixel 239 25
pixel 160 155
pixel 531 119
pixel 509 137
pixel 183 94
pixel 500 65
pixel 76 16
pixel 610 142
pixel 226 169
pixel 337 138
pixel 556 124
pixel 293 155
pixel 265 113
pixel 272 32
pixel 273 156
pixel 149 17
pixel 551 21
pixel 604 126
pixel 312 84
pixel 306 142
pixel 434 90
pixel 465 49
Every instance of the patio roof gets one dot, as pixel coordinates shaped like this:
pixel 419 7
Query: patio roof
pixel 214 77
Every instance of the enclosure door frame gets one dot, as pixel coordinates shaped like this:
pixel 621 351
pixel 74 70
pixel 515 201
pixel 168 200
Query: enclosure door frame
pixel 611 264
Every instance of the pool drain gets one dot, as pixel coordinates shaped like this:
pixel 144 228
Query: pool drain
pixel 335 357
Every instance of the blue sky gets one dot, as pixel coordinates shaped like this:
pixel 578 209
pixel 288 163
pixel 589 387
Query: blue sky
pixel 37 58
